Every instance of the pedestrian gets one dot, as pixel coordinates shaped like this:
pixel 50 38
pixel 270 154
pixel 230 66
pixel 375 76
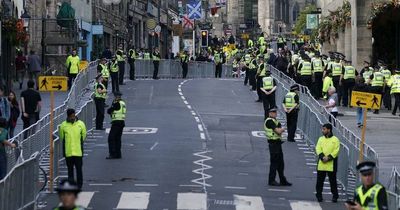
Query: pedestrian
pixel 121 63
pixel 5 107
pixel 156 62
pixel 131 61
pixel 261 73
pixel 184 58
pixel 291 104
pixel 14 113
pixel 31 103
pixel 73 133
pixel 100 96
pixel 362 87
pixel 268 89
pixel 369 195
pixel 281 62
pixel 68 194
pixel 34 67
pixel 3 143
pixel 327 83
pixel 20 68
pixel 72 65
pixel 273 130
pixel 377 85
pixel 117 111
pixel 347 81
pixel 394 84
pixel 331 104
pixel 327 150
pixel 114 72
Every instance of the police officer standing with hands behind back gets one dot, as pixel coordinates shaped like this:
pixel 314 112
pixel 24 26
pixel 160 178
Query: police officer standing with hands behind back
pixel 100 95
pixel 117 112
pixel 291 104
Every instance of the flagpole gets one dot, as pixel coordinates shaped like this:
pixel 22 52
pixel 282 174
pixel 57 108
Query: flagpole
pixel 194 39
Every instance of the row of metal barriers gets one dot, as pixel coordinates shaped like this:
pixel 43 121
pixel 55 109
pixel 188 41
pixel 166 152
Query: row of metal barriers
pixel 312 116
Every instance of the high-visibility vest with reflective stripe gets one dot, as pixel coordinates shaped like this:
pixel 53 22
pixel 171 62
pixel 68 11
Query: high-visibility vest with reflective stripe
pixel 114 67
pixel 306 69
pixel 104 71
pixel 378 80
pixel 366 75
pixel 119 114
pixel 328 82
pixel 156 57
pixel 132 53
pixel 146 56
pixel 251 65
pixel 268 83
pixel 217 58
pixel 386 73
pixel 289 100
pixel 336 69
pixel 271 135
pixel 327 146
pixel 349 72
pixel 74 61
pixel 120 57
pixel 235 64
pixel 263 70
pixel 96 92
pixel 317 65
pixel 247 59
pixel 395 84
pixel 371 195
pixel 294 58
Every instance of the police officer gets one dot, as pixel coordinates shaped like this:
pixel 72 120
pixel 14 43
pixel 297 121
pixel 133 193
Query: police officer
pixel 131 61
pixel 348 80
pixel 370 195
pixel 291 104
pixel 117 111
pixel 262 68
pixel 246 60
pixel 327 149
pixel 305 69
pixel 253 72
pixel 218 60
pixel 366 72
pixel 68 194
pixel 281 42
pixel 337 69
pixel 156 62
pixel 317 70
pixel 184 57
pixel 114 69
pixel 273 131
pixel 72 64
pixel 73 133
pixel 100 95
pixel 377 84
pixel 121 63
pixel 387 99
pixel 394 84
pixel 268 88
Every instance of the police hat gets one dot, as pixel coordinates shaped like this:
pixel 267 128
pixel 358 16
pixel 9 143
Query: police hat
pixel 366 167
pixel 294 87
pixel 68 186
pixel 273 109
pixel 116 94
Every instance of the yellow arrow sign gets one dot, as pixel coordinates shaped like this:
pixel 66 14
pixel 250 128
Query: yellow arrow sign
pixel 366 100
pixel 53 83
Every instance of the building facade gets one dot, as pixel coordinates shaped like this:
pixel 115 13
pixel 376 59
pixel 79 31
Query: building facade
pixel 242 16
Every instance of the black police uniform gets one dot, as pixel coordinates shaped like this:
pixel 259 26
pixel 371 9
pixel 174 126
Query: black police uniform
pixel 114 138
pixel 100 106
pixel 291 119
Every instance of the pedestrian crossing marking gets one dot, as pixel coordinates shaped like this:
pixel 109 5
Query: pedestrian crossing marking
pixel 248 202
pixel 134 200
pixel 84 199
pixel 192 201
pixel 301 205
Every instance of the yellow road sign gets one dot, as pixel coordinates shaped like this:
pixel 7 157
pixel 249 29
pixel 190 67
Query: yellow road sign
pixel 366 100
pixel 83 65
pixel 53 83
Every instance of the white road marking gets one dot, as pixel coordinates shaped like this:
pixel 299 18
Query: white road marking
pixel 278 190
pixel 179 89
pixel 155 144
pixel 301 205
pixel 180 93
pixel 151 94
pixel 189 107
pixel 248 202
pixel 311 164
pixel 197 119
pixel 84 199
pixel 134 200
pixel 146 185
pixel 235 188
pixel 200 127
pixel 202 136
pixel 243 174
pixel 189 185
pixel 101 184
pixel 304 148
pixel 183 97
pixel 192 201
pixel 185 102
pixel 308 152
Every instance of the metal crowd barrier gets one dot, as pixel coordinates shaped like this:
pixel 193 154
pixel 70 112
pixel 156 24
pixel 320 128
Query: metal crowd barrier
pixel 393 188
pixel 312 116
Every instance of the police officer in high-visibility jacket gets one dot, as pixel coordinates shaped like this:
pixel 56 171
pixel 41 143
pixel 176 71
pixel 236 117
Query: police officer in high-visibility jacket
pixel 184 58
pixel 291 104
pixel 305 69
pixel 252 72
pixel 114 72
pixel 347 81
pixel 121 63
pixel 337 69
pixel 394 84
pixel 261 73
pixel 377 84
pixel 387 99
pixel 131 61
pixel 105 73
pixel 246 60
pixel 100 96
pixel 73 133
pixel 370 195
pixel 117 111
pixel 317 70
pixel 273 131
pixel 268 88
pixel 72 64
pixel 68 192
pixel 327 149
pixel 156 62
pixel 218 60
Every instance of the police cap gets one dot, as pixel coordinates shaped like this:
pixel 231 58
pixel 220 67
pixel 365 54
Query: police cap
pixel 366 167
pixel 68 186
pixel 273 109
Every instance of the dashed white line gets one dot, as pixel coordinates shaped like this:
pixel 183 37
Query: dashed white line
pixel 278 190
pixel 202 136
pixel 183 97
pixel 197 119
pixel 189 185
pixel 200 127
pixel 146 185
pixel 235 188
pixel 185 102
pixel 189 107
pixel 100 184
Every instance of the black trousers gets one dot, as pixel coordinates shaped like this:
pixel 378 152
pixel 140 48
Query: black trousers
pixel 252 78
pixel 348 85
pixel 75 162
pixel 387 98
pixel 121 69
pixel 336 82
pixel 318 81
pixel 218 70
pixel 268 103
pixel 155 72
pixel 246 77
pixel 71 78
pixel 114 138
pixel 306 80
pixel 291 124
pixel 99 102
pixel 277 164
pixel 259 85
pixel 114 81
pixel 184 70
pixel 332 181
pixel 396 103
pixel 105 82
pixel 132 70
pixel 28 121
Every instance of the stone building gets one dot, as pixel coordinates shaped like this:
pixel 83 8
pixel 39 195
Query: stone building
pixel 242 15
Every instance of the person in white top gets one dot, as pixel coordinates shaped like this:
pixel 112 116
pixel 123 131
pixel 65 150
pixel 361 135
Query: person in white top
pixel 332 101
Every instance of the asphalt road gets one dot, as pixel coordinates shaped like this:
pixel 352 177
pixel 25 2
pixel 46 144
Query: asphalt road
pixel 194 144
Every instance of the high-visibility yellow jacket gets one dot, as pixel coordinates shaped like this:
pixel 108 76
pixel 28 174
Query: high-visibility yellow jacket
pixel 72 64
pixel 73 135
pixel 328 147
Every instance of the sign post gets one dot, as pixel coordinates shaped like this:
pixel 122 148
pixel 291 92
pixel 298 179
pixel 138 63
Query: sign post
pixel 366 101
pixel 52 84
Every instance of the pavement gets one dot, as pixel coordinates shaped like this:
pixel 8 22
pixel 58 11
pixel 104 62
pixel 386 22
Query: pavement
pixel 194 144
